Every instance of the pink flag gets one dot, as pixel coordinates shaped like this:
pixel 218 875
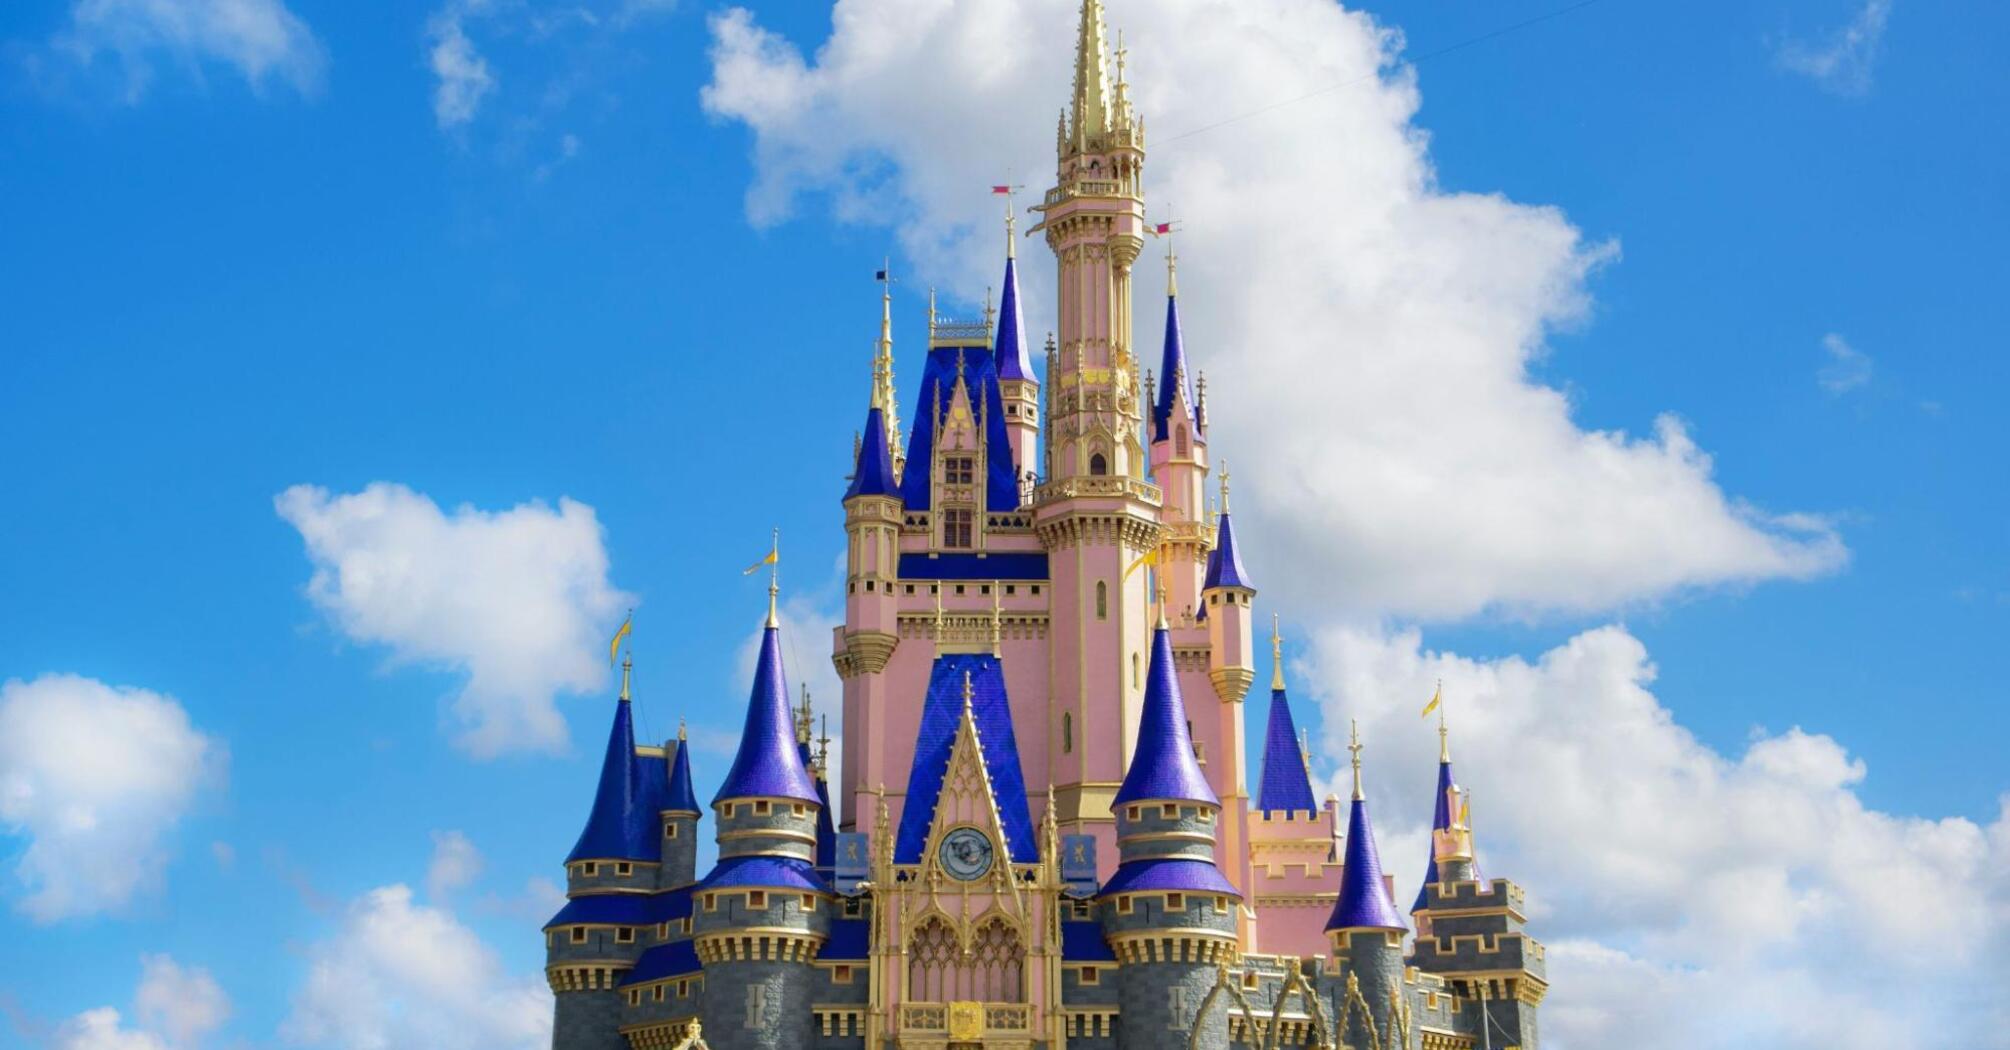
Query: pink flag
pixel 1001 190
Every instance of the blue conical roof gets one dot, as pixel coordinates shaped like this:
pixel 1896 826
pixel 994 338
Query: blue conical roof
pixel 767 765
pixel 1284 785
pixel 872 475
pixel 1163 766
pixel 1224 563
pixel 1010 350
pixel 1364 902
pixel 1172 376
pixel 681 797
pixel 1441 821
pixel 620 827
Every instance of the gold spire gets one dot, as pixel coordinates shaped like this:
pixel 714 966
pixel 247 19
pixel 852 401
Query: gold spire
pixel 681 735
pixel 1092 93
pixel 1011 226
pixel 997 627
pixel 824 746
pixel 1172 265
pixel 627 665
pixel 775 580
pixel 883 396
pixel 804 718
pixel 1164 596
pixel 1354 745
pixel 968 692
pixel 1224 486
pixel 1444 737
pixel 1276 656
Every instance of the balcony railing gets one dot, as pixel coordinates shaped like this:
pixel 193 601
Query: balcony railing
pixel 1096 485
pixel 963 1021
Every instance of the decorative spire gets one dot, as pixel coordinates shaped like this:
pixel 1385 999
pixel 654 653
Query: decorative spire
pixel 1444 735
pixel 774 581
pixel 1286 784
pixel 1092 93
pixel 883 397
pixel 1010 348
pixel 1447 819
pixel 616 828
pixel 1364 902
pixel 997 623
pixel 872 469
pixel 1224 486
pixel 627 667
pixel 1224 563
pixel 1172 391
pixel 768 764
pixel 682 798
pixel 805 718
pixel 1354 746
pixel 1163 765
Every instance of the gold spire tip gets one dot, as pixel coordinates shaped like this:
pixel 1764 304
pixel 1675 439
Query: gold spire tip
pixel 1276 655
pixel 627 666
pixel 681 734
pixel 1354 745
pixel 1224 486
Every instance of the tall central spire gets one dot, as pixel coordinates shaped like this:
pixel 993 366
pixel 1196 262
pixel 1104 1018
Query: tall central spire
pixel 1092 91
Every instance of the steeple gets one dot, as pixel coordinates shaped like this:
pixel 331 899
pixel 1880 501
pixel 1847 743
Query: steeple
pixel 1173 385
pixel 884 400
pixel 1163 765
pixel 1285 785
pixel 1224 565
pixel 1092 92
pixel 1451 837
pixel 873 474
pixel 1364 902
pixel 1010 349
pixel 681 798
pixel 617 828
pixel 767 765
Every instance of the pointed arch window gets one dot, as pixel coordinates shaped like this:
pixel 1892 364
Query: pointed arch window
pixel 1067 732
pixel 1102 600
pixel 1180 445
pixel 1099 465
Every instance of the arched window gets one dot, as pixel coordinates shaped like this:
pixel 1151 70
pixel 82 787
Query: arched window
pixel 1102 600
pixel 1134 670
pixel 1067 732
pixel 1098 465
pixel 994 970
pixel 1179 442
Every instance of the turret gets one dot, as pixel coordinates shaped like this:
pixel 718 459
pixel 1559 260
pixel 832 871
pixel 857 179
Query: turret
pixel 1017 383
pixel 1226 598
pixel 1179 462
pixel 1286 787
pixel 762 913
pixel 1365 931
pixel 872 512
pixel 1168 912
pixel 590 945
pixel 680 819
pixel 1452 858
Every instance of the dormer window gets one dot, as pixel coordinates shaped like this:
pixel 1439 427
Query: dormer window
pixel 958 527
pixel 959 470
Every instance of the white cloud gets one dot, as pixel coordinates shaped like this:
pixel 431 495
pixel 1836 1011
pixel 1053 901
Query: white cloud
pixel 462 73
pixel 95 777
pixel 1847 367
pixel 102 1029
pixel 397 974
pixel 262 39
pixel 1370 332
pixel 1666 874
pixel 455 865
pixel 1842 61
pixel 183 1003
pixel 519 599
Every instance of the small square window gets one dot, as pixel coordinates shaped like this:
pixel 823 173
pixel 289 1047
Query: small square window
pixel 711 902
pixel 757 898
pixel 579 935
pixel 1175 902
pixel 624 869
pixel 624 935
pixel 1011 589
pixel 1136 813
pixel 1036 590
pixel 801 810
pixel 985 589
pixel 761 808
pixel 1168 811
pixel 809 902
pixel 1091 975
pixel 670 830
pixel 909 587
pixel 728 809
pixel 683 989
pixel 656 993
pixel 635 997
pixel 959 588
pixel 1249 979
pixel 1124 905
pixel 841 975
pixel 1221 903
pixel 589 869
pixel 687 924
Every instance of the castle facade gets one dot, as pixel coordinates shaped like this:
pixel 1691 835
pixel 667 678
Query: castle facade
pixel 1043 834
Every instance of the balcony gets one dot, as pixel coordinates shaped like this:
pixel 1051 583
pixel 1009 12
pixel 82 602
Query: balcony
pixel 1097 485
pixel 932 1026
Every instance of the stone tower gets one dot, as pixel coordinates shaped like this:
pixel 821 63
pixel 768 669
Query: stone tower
pixel 1366 933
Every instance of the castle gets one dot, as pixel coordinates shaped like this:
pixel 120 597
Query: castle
pixel 1046 835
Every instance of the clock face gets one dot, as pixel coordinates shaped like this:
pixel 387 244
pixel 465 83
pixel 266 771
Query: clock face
pixel 966 853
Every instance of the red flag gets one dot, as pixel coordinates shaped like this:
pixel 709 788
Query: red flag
pixel 1001 190
pixel 1162 229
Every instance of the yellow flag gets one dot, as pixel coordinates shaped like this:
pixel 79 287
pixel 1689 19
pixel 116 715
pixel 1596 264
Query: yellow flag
pixel 614 647
pixel 774 555
pixel 1433 705
pixel 1150 557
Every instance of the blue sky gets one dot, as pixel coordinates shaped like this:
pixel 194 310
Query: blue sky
pixel 237 262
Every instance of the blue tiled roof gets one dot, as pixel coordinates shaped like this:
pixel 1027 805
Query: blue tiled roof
pixel 1164 873
pixel 1224 564
pixel 1163 765
pixel 872 475
pixel 624 909
pixel 851 939
pixel 681 796
pixel 1010 349
pixel 767 765
pixel 1440 821
pixel 676 959
pixel 1364 898
pixel 985 566
pixel 938 387
pixel 759 872
pixel 1172 376
pixel 991 710
pixel 621 825
pixel 1284 785
pixel 1083 942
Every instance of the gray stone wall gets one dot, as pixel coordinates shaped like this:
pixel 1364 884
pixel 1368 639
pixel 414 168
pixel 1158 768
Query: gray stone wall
pixel 607 876
pixel 1189 835
pixel 588 1021
pixel 758 1006
pixel 794 833
pixel 680 853
pixel 1159 1006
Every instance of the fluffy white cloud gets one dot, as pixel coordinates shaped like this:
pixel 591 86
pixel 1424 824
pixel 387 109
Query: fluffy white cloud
pixel 1847 367
pixel 455 865
pixel 519 599
pixel 102 1029
pixel 183 1003
pixel 462 73
pixel 397 974
pixel 1842 61
pixel 1667 874
pixel 263 39
pixel 95 777
pixel 1369 331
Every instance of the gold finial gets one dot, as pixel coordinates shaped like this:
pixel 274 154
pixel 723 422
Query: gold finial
pixel 1276 656
pixel 1354 745
pixel 1305 750
pixel 824 745
pixel 1165 596
pixel 1444 735
pixel 775 579
pixel 1172 263
pixel 681 735
pixel 968 692
pixel 804 718
pixel 931 312
pixel 940 632
pixel 627 665
pixel 997 618
pixel 1224 486
pixel 990 312
pixel 1011 225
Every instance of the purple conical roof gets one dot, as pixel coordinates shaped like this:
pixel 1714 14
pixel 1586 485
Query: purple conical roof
pixel 1163 766
pixel 1224 563
pixel 872 475
pixel 767 765
pixel 617 828
pixel 1364 902
pixel 1172 376
pixel 1010 350
pixel 681 797
pixel 1441 821
pixel 1284 785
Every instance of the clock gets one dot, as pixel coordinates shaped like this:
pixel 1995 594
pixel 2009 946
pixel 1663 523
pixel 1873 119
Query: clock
pixel 966 854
